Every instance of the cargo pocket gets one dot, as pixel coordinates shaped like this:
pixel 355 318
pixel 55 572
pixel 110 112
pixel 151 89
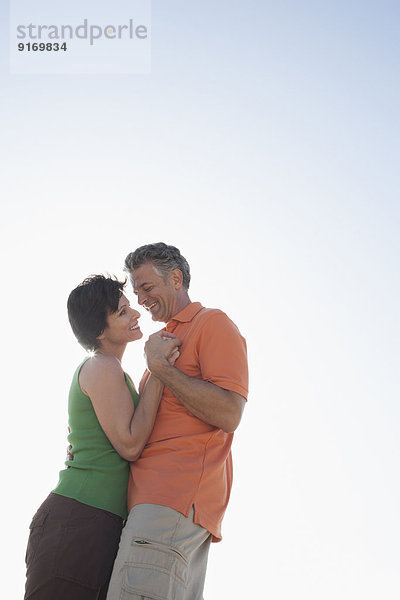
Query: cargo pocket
pixel 35 534
pixel 154 570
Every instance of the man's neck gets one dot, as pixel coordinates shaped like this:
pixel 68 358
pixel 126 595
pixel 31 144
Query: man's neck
pixel 182 304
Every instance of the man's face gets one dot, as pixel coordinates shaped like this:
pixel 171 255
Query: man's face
pixel 157 296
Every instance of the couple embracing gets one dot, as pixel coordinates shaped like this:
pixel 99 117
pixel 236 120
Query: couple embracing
pixel 149 474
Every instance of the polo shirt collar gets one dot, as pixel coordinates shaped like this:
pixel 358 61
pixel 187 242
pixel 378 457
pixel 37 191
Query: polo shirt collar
pixel 187 314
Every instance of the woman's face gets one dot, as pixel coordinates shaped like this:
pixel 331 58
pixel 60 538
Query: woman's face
pixel 122 326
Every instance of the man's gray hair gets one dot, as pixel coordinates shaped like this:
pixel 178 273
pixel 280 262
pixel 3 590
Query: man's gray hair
pixel 164 259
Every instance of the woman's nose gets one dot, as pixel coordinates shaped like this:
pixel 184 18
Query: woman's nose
pixel 135 313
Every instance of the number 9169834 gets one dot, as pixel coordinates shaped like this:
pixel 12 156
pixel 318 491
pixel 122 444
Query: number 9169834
pixel 42 47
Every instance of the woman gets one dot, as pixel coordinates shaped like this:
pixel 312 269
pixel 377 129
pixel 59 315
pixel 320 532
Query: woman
pixel 75 533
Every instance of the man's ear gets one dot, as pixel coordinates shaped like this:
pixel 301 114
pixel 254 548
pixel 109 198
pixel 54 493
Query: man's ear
pixel 177 278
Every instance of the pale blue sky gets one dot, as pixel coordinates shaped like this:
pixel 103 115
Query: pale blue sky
pixel 265 144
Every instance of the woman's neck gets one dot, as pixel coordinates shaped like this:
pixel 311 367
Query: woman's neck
pixel 112 350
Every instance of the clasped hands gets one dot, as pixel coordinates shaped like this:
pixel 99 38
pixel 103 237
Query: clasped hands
pixel 161 350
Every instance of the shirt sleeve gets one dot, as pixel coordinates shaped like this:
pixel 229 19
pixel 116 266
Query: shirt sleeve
pixel 223 354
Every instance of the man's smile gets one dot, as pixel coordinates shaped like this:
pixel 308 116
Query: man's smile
pixel 151 306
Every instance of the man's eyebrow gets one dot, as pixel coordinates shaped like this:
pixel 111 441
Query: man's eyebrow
pixel 143 284
pixel 135 287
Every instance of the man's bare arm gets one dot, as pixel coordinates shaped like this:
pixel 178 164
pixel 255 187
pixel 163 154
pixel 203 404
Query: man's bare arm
pixel 207 401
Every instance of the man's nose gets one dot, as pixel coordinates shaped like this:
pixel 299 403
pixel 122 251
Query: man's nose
pixel 141 298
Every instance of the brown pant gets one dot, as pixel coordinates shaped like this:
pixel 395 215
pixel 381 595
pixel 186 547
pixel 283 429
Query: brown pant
pixel 71 551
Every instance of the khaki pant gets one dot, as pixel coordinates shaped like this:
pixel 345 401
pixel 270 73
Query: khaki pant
pixel 162 556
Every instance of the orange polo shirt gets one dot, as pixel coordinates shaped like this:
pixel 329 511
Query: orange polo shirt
pixel 186 461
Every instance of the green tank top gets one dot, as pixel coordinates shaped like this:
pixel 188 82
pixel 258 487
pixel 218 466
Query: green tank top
pixel 97 475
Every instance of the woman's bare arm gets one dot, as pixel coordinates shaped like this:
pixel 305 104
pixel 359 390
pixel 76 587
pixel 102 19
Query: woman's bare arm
pixel 103 380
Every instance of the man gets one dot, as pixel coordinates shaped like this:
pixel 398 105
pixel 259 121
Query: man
pixel 179 487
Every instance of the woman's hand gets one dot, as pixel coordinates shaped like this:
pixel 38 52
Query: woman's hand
pixel 174 356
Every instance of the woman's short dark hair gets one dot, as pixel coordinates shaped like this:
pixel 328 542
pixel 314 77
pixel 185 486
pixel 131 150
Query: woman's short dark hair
pixel 164 259
pixel 89 305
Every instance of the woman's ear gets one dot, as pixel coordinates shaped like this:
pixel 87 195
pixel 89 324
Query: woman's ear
pixel 101 336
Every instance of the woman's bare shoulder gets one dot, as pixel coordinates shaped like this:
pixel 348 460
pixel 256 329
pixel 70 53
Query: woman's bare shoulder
pixel 97 367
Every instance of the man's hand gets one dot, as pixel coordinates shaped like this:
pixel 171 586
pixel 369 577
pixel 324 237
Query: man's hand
pixel 161 349
pixel 70 456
